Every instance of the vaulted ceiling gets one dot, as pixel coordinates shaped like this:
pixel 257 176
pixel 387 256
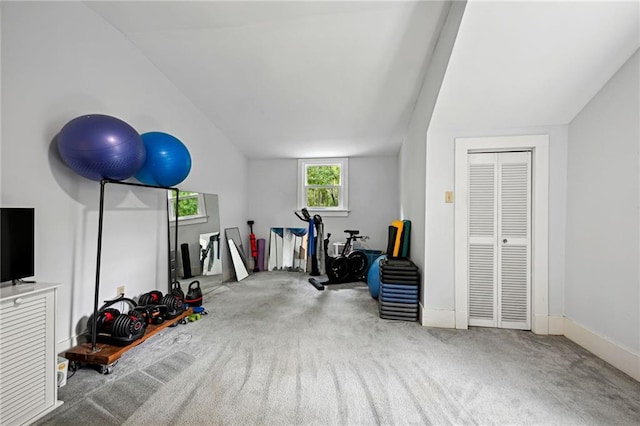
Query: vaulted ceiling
pixel 533 63
pixel 291 79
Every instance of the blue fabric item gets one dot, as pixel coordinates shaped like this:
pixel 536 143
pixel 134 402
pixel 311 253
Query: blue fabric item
pixel 312 239
pixel 298 232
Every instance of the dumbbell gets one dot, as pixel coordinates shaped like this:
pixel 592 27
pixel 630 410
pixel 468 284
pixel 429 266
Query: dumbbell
pixel 105 320
pixel 151 314
pixel 174 304
pixel 111 321
pixel 151 298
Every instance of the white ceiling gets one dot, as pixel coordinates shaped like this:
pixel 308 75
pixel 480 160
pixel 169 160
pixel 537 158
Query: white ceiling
pixel 318 78
pixel 294 78
pixel 526 64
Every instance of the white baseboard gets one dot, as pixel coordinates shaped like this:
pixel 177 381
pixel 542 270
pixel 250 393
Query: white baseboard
pixel 64 345
pixel 540 324
pixel 616 355
pixel 556 325
pixel 437 318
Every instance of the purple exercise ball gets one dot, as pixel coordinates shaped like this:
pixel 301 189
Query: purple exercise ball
pixel 99 146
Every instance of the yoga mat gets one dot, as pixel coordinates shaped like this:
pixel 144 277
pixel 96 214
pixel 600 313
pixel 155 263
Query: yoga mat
pixel 260 265
pixel 406 238
pixel 391 241
pixel 396 247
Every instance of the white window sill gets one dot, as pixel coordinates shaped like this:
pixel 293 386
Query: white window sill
pixel 327 212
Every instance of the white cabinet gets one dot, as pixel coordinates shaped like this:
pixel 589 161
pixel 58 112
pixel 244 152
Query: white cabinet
pixel 28 385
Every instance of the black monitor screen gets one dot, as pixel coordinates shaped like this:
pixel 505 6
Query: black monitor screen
pixel 17 249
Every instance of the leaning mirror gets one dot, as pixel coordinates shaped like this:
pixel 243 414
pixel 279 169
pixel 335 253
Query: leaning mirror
pixel 197 255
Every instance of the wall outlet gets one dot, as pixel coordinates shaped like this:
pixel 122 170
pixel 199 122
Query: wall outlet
pixel 120 290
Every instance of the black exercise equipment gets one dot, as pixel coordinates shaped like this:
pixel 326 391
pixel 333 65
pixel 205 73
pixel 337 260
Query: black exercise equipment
pixel 152 314
pixel 151 298
pixel 399 289
pixel 314 222
pixel 194 294
pixel 348 266
pixel 171 273
pixel 186 261
pixel 176 289
pixel 174 305
pixel 119 329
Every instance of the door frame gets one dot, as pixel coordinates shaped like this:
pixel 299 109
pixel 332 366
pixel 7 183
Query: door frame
pixel 539 147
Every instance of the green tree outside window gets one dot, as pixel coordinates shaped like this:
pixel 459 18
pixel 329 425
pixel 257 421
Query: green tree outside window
pixel 323 185
pixel 187 204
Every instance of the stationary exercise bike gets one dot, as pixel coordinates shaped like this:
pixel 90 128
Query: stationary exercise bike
pixel 350 265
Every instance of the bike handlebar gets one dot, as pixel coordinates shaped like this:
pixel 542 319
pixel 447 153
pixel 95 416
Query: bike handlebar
pixel 306 217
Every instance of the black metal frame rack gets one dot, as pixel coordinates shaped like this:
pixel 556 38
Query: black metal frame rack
pixel 103 182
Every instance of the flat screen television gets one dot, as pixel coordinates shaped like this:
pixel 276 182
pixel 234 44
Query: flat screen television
pixel 17 233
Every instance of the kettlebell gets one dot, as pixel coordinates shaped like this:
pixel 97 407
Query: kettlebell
pixel 194 294
pixel 177 290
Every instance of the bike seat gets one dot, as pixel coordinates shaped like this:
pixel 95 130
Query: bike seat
pixel 351 232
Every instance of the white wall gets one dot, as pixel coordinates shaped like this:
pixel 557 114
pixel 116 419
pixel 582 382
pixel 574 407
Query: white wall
pixel 603 227
pixel 439 264
pixel 373 198
pixel 413 154
pixel 60 60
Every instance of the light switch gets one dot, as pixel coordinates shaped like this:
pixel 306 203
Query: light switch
pixel 448 197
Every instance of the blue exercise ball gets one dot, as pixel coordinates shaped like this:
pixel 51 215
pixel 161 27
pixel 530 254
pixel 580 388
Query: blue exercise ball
pixel 168 161
pixel 373 276
pixel 100 147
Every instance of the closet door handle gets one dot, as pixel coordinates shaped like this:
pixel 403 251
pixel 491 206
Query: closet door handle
pixel 504 241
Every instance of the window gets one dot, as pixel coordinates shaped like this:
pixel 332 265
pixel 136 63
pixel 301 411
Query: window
pixel 322 185
pixel 190 208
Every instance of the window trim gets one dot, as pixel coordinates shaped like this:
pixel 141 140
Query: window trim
pixel 343 207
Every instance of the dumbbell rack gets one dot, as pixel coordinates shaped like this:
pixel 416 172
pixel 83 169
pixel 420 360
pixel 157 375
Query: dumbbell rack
pixel 105 355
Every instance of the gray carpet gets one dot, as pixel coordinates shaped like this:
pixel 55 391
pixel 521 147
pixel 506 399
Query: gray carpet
pixel 275 351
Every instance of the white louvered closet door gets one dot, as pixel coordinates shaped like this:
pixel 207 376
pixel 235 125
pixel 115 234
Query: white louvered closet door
pixel 499 256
